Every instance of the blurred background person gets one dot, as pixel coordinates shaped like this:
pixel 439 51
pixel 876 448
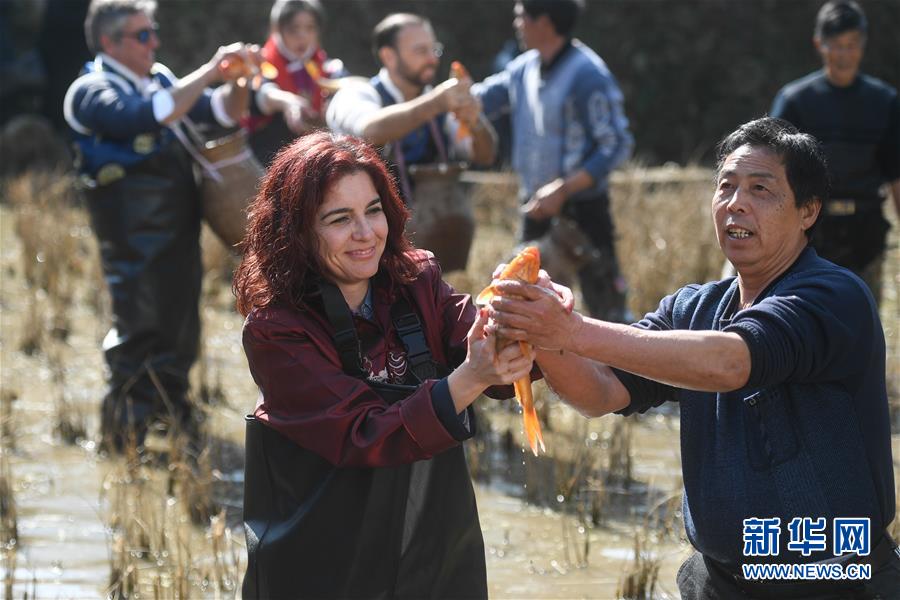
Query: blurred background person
pixel 294 101
pixel 127 113
pixel 569 131
pixel 422 129
pixel 356 484
pixel 401 110
pixel 857 119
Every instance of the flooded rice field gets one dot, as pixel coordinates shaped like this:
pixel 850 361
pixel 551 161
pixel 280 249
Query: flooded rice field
pixel 599 517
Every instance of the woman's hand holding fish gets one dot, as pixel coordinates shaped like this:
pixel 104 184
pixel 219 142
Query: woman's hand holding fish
pixel 492 367
pixel 485 366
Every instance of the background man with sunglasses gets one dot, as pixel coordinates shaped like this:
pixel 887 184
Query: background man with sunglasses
pixel 129 116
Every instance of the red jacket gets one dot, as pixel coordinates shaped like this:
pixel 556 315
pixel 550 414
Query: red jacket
pixel 306 396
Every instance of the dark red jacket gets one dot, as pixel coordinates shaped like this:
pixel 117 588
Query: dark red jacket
pixel 306 396
pixel 347 494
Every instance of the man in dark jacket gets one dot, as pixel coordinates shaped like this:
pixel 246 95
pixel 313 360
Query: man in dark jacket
pixel 129 116
pixel 780 377
pixel 857 120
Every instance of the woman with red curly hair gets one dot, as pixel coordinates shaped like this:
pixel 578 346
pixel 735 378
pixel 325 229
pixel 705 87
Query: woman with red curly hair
pixel 367 364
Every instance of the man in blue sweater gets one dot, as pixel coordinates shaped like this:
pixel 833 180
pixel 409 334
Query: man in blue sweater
pixel 569 132
pixel 780 377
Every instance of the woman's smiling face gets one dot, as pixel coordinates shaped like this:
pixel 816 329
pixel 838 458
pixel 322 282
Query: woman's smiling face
pixel 352 230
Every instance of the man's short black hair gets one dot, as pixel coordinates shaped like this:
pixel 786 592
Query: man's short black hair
pixel 385 33
pixel 562 13
pixel 801 154
pixel 840 16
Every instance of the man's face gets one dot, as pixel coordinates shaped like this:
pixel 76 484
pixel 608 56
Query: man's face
pixel 136 46
pixel 841 55
pixel 416 56
pixel 758 224
pixel 524 26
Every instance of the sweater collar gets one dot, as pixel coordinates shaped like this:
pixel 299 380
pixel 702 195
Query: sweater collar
pixel 803 262
pixel 547 67
pixel 106 62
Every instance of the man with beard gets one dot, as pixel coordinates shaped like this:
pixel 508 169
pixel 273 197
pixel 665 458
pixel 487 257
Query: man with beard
pixel 399 109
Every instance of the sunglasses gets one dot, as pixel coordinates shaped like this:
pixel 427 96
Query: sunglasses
pixel 144 35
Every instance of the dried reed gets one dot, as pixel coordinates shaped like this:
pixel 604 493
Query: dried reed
pixel 70 422
pixel 639 579
pixel 55 252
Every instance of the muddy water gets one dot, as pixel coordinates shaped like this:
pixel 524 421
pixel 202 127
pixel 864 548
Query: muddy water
pixel 530 553
pixel 64 542
pixel 64 545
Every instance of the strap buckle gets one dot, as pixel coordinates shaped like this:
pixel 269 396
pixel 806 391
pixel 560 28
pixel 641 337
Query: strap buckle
pixel 840 208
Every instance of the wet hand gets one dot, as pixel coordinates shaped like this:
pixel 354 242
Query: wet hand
pixel 469 111
pixel 234 61
pixel 565 294
pixel 453 94
pixel 487 366
pixel 546 202
pixel 539 315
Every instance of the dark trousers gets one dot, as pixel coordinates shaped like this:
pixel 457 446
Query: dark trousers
pixel 852 241
pixel 602 286
pixel 700 578
pixel 148 226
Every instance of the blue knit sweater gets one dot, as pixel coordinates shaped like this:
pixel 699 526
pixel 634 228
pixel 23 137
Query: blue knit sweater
pixel 809 435
pixel 565 116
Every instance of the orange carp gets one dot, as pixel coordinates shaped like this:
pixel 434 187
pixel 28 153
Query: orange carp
pixel 249 69
pixel 524 267
pixel 458 71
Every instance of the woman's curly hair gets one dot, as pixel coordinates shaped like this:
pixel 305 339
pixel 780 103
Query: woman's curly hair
pixel 280 251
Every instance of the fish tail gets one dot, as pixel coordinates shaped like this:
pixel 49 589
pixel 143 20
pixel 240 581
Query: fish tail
pixel 529 416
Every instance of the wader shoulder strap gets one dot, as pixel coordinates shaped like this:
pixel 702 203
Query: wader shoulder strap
pixel 405 320
pixel 409 328
pixel 345 338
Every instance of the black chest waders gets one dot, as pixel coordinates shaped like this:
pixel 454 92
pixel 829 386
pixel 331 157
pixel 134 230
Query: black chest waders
pixel 315 530
pixel 147 223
